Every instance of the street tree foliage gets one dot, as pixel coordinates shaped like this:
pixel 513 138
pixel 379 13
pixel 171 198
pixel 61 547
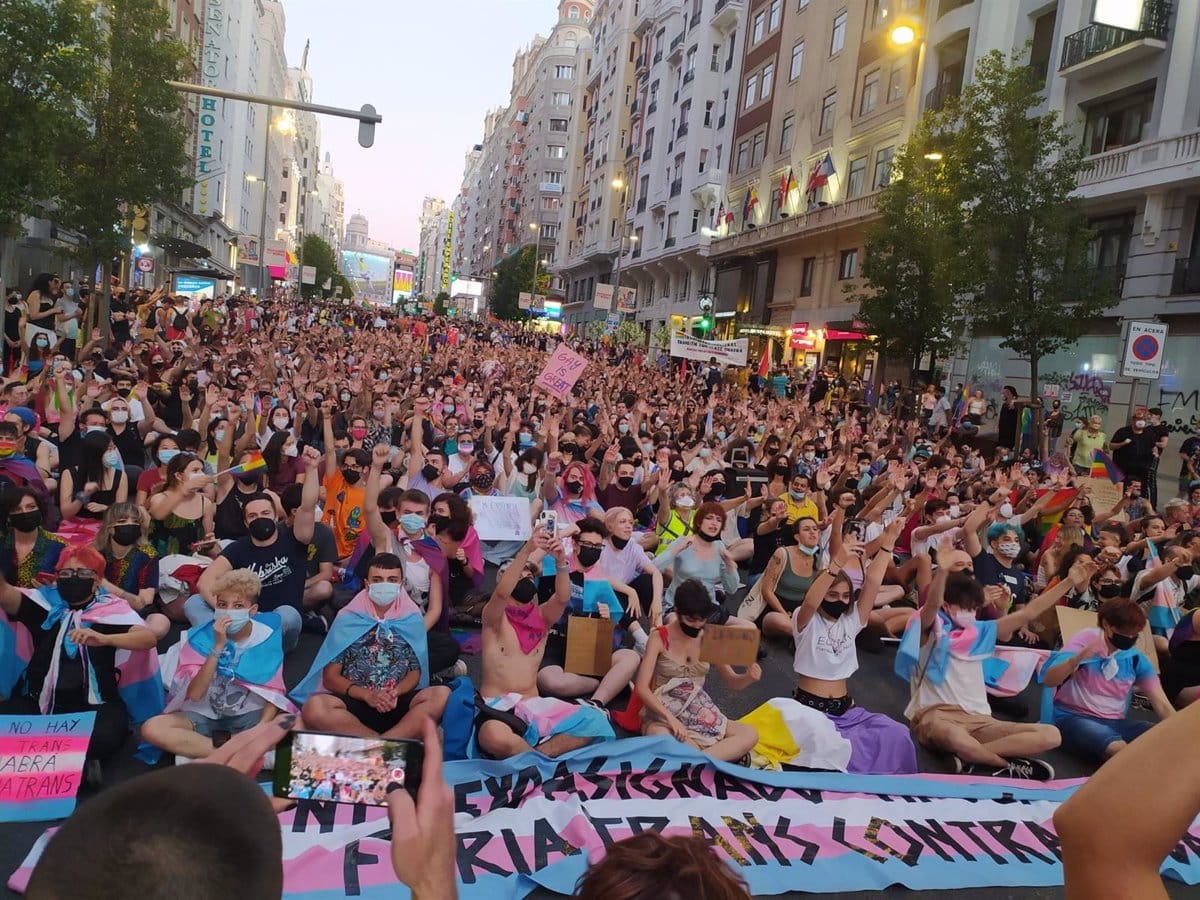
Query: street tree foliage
pixel 440 303
pixel 47 66
pixel 914 265
pixel 316 252
pixel 514 275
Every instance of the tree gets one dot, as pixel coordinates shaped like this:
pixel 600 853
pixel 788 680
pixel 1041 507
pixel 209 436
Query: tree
pixel 1025 233
pixel 136 154
pixel 440 303
pixel 913 268
pixel 47 65
pixel 514 275
pixel 315 251
pixel 631 333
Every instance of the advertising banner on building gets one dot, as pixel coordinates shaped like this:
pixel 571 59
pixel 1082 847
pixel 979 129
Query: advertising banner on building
pixel 370 274
pixel 308 274
pixel 248 250
pixel 727 353
pixel 275 253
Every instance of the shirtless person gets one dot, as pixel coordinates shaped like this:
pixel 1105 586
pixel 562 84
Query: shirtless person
pixel 516 719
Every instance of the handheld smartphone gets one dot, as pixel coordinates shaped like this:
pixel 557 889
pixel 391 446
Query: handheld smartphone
pixel 739 456
pixel 548 519
pixel 312 766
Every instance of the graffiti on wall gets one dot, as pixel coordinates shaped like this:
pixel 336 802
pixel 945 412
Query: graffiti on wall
pixel 1082 394
pixel 1181 410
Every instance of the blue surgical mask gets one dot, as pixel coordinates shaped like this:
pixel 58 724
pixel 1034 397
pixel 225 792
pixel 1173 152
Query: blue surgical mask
pixel 808 551
pixel 721 435
pixel 166 455
pixel 219 435
pixel 237 618
pixel 112 459
pixel 412 523
pixel 383 594
pixel 525 438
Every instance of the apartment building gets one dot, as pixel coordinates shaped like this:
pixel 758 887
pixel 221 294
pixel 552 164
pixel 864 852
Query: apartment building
pixel 601 142
pixel 437 225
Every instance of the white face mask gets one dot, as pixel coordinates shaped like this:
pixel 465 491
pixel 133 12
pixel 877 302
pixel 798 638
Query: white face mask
pixel 1139 423
pixel 685 502
pixel 528 468
pixel 1006 510
pixel 120 417
pixel 954 511
pixel 293 450
pixel 1009 549
pixel 963 618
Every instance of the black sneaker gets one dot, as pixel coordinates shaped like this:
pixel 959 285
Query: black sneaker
pixel 1027 768
pixel 314 623
pixel 966 768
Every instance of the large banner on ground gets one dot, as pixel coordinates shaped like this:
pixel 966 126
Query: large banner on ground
pixel 726 352
pixel 533 821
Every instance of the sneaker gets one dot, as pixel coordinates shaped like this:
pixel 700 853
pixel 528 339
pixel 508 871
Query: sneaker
pixel 314 623
pixel 596 705
pixel 460 669
pixel 1140 701
pixel 1030 769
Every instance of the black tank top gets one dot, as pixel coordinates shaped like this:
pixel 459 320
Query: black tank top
pixel 229 521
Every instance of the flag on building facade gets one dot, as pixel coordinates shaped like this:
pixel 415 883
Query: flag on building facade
pixel 821 172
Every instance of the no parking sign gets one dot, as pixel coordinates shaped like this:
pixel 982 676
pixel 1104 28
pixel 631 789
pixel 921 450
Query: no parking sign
pixel 1144 350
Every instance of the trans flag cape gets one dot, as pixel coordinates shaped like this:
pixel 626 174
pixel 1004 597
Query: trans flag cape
pixel 1006 670
pixel 356 619
pixel 259 669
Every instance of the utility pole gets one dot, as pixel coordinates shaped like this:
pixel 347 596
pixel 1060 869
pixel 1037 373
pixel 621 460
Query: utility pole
pixel 262 219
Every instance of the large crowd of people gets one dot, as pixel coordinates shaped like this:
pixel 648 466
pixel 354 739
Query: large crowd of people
pixel 253 470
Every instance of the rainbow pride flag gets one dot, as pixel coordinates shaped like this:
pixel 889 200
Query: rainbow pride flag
pixel 961 412
pixel 1104 467
pixel 254 461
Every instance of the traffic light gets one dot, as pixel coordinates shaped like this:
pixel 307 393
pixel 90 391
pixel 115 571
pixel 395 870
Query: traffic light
pixel 705 323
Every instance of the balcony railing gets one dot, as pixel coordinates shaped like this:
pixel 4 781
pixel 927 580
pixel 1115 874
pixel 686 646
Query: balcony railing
pixel 688 76
pixel 657 56
pixel 652 108
pixel 633 108
pixel 1099 38
pixel 1186 279
pixel 646 155
pixel 676 187
pixel 683 129
pixel 937 98
pixel 676 42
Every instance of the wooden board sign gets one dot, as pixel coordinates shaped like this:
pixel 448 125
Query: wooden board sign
pixel 729 645
pixel 589 646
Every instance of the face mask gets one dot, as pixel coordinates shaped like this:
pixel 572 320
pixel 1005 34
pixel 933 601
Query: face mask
pixel 438 521
pixel 26 521
pixel 963 618
pixel 120 417
pixel 808 551
pixel 620 543
pixel 623 428
pixel 345 398
pixel 1122 641
pixel 262 529
pixel 708 538
pixel 483 481
pixel 704 453
pixel 525 591
pixel 717 489
pixel 685 502
pixel 810 456
pixel 383 594
pixel 166 455
pixel 75 590
pixel 1006 510
pixel 466 449
pixel 281 422
pixel 112 460
pixel 574 487
pixel 358 433
pixel 1108 591
pixel 430 472
pixel 34 366
pixel 720 435
pixel 218 436
pixel 293 450
pixel 377 415
pixel 412 523
pixel 835 609
pixel 1139 423
pixel 351 476
pixel 954 511
pixel 797 495
pixel 525 438
pixel 588 556
pixel 248 477
pixel 528 468
pixel 237 619
pixel 1009 549
pixel 689 630
pixel 416 370
pixel 127 535
pixel 448 407
pixel 88 429
pixel 7 448
pixel 647 448
pixel 626 482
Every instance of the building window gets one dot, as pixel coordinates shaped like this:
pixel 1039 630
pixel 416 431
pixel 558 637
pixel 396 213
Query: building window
pixel 564 71
pixel 802 5
pixel 838 40
pixel 743 156
pixel 553 178
pixel 558 124
pixel 549 203
pixel 870 93
pixel 806 276
pixel 556 152
pixel 848 265
pixel 797 61
pixel 787 133
pixel 758 148
pixel 773 21
pixel 560 98
pixel 760 22
pixel 856 181
pixel 879 13
pixel 1118 123
pixel 715 63
pixel 695 220
pixel 573 12
pixel 751 89
pixel 550 231
pixel 828 111
pixel 883 167
pixel 689 66
pixel 895 83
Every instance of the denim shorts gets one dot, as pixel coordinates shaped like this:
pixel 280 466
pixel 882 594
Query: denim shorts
pixel 205 726
pixel 1089 737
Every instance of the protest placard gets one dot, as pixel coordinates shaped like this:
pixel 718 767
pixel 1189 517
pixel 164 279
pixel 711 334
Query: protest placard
pixel 561 372
pixel 1103 493
pixel 589 646
pixel 41 765
pixel 724 352
pixel 1072 621
pixel 501 518
pixel 729 645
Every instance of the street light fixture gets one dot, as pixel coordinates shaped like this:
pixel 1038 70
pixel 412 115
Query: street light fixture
pixel 902 34
pixel 935 156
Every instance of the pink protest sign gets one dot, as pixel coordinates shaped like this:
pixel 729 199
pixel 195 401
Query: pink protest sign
pixel 561 372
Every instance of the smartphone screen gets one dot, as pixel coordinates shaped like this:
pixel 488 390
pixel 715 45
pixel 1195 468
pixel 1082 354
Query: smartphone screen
pixel 311 766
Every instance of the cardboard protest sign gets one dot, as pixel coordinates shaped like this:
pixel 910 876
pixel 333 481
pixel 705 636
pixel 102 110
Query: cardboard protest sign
pixel 589 646
pixel 561 372
pixel 1103 493
pixel 41 765
pixel 1072 621
pixel 729 645
pixel 502 518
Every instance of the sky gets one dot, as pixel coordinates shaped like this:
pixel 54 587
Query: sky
pixel 431 68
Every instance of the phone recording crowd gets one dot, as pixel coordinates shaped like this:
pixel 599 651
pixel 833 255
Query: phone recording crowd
pixel 239 527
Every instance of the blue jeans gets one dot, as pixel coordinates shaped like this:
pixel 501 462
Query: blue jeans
pixel 199 613
pixel 1089 737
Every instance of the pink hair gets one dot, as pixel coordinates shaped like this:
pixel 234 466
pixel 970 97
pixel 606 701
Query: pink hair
pixel 589 482
pixel 83 556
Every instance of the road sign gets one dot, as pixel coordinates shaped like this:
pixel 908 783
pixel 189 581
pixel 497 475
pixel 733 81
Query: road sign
pixel 1144 350
pixel 145 264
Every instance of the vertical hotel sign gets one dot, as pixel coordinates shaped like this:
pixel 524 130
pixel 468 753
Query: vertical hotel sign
pixel 446 251
pixel 211 68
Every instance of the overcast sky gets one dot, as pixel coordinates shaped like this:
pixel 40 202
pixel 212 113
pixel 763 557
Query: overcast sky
pixel 431 68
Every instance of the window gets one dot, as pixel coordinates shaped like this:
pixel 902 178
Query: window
pixel 558 124
pixel 883 167
pixel 708 109
pixel 573 12
pixel 751 89
pixel 802 5
pixel 806 276
pixel 879 13
pixel 672 224
pixel 856 181
pixel 760 22
pixel 1118 123
pixel 695 220
pixel 715 63
pixel 550 231
pixel 838 40
pixel 896 83
pixel 828 111
pixel 743 156
pixel 560 98
pixel 649 142
pixel 564 71
pixel 768 76
pixel 787 133
pixel 870 93
pixel 773 21
pixel 556 152
pixel 553 178
pixel 758 148
pixel 549 203
pixel 797 61
pixel 689 66
pixel 848 265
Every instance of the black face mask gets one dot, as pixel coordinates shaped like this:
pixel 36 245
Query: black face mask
pixel 588 556
pixel 620 543
pixel 717 490
pixel 834 608
pixel 429 472
pixel 389 516
pixel 351 476
pixel 525 591
pixel 678 474
pixel 26 521
pixel 127 535
pixel 1122 641
pixel 626 482
pixel 248 477
pixel 574 488
pixel 1108 591
pixel 439 522
pixel 704 536
pixel 76 590
pixel 689 630
pixel 1186 572
pixel 262 529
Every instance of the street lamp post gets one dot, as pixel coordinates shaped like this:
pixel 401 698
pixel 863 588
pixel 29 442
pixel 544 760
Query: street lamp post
pixel 537 257
pixel 619 184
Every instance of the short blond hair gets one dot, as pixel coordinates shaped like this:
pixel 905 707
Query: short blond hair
pixel 241 582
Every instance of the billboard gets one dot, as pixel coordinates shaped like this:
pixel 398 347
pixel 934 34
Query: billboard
pixel 370 275
pixel 196 288
pixel 466 287
pixel 402 285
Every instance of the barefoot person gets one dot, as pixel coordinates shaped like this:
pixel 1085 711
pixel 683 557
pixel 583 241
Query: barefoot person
pixel 512 717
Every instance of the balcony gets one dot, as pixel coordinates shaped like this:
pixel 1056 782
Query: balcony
pixel 631 151
pixel 1101 48
pixel 652 108
pixel 675 53
pixel 1156 164
pixel 676 187
pixel 641 204
pixel 646 155
pixel 669 243
pixel 940 95
pixel 818 220
pixel 1109 278
pixel 1186 279
pixel 725 16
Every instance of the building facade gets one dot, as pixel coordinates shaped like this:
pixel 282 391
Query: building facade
pixel 436 230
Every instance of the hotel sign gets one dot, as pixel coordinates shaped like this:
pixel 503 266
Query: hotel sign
pixel 211 71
